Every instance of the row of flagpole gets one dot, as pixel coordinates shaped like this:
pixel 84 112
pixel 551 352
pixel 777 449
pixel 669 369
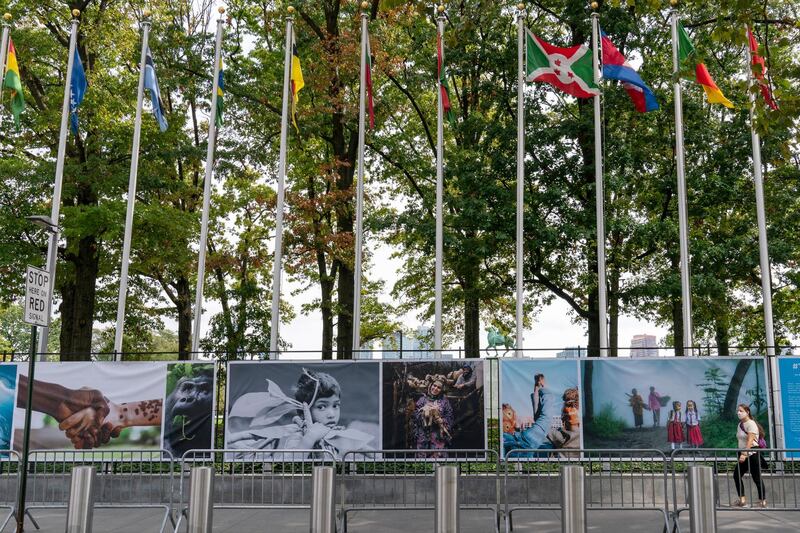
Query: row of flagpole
pixel 73 94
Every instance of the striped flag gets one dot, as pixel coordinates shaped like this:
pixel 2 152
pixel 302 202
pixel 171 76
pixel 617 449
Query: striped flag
pixel 296 82
pixel 13 82
pixel 370 107
pixel 220 94
pixel 688 54
pixel 443 88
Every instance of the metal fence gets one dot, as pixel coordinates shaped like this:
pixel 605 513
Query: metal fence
pixel 404 480
pixel 779 473
pixel 254 479
pixel 9 483
pixel 616 480
pixel 125 479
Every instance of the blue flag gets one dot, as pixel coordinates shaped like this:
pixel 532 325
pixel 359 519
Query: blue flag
pixel 77 89
pixel 616 67
pixel 151 84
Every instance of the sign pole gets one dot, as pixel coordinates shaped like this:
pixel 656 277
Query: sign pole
pixel 26 435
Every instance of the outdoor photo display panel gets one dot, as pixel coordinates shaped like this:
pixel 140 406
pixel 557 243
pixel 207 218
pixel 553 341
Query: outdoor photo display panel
pixel 8 397
pixel 642 403
pixel 141 406
pixel 299 405
pixel 433 405
pixel 789 371
pixel 539 405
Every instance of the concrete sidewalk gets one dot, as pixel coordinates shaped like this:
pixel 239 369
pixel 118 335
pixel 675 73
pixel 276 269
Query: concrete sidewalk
pixel 296 521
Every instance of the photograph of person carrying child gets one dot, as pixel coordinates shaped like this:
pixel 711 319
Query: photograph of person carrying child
pixel 433 405
pixel 540 405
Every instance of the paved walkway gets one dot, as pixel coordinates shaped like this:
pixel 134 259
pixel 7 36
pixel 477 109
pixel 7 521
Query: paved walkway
pixel 268 521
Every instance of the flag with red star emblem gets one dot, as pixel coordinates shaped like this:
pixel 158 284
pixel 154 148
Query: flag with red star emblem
pixel 568 69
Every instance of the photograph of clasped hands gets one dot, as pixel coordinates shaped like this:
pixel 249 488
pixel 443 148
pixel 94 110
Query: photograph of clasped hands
pixel 123 412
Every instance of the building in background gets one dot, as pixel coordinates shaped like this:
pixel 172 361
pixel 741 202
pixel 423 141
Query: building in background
pixel 417 345
pixel 573 352
pixel 644 345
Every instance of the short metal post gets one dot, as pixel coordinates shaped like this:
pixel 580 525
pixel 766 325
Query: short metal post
pixel 702 509
pixel 200 517
pixel 323 512
pixel 573 500
pixel 447 507
pixel 80 511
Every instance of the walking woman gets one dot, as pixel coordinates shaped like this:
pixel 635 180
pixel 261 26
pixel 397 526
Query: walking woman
pixel 748 433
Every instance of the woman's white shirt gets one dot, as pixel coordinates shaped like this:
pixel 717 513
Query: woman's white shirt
pixel 750 426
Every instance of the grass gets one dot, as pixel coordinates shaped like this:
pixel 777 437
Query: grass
pixel 606 424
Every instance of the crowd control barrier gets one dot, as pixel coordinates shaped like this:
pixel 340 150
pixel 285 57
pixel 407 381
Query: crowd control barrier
pixel 780 473
pixel 615 480
pixel 255 479
pixel 390 480
pixel 9 484
pixel 125 479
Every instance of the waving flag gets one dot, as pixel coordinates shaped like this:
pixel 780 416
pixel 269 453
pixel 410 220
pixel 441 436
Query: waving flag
pixel 688 56
pixel 14 83
pixel 220 95
pixel 368 73
pixel 568 69
pixel 77 90
pixel 616 67
pixel 151 84
pixel 297 82
pixel 759 67
pixel 445 90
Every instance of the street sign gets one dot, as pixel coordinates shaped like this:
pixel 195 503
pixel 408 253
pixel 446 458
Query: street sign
pixel 37 297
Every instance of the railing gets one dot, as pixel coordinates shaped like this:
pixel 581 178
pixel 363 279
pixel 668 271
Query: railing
pixel 9 484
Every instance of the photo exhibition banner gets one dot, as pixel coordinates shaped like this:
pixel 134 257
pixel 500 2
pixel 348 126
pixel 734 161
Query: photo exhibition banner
pixel 539 405
pixel 139 406
pixel 789 372
pixel 669 403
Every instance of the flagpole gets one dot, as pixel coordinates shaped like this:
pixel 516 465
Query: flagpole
pixel 55 208
pixel 276 267
pixel 212 139
pixel 520 172
pixel 686 289
pixel 360 182
pixel 602 307
pixel 4 51
pixel 763 255
pixel 437 328
pixel 126 244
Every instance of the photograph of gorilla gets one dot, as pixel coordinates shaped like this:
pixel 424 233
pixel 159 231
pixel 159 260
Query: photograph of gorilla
pixel 189 407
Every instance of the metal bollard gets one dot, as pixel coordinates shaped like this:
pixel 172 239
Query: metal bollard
pixel 200 515
pixel 323 510
pixel 702 508
pixel 80 511
pixel 447 506
pixel 573 500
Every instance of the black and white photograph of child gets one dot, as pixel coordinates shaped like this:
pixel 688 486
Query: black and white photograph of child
pixel 433 405
pixel 303 406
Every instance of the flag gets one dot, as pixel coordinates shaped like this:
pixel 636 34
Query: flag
pixel 13 82
pixel 368 74
pixel 759 67
pixel 296 81
pixel 443 88
pixel 77 90
pixel 220 94
pixel 687 54
pixel 568 69
pixel 151 84
pixel 616 67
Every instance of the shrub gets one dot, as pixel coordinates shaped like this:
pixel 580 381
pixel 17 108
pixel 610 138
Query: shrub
pixel 606 424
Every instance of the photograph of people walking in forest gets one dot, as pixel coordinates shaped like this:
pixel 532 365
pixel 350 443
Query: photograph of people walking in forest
pixel 698 395
pixel 433 405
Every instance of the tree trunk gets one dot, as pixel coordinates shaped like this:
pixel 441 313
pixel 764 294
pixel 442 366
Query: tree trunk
pixel 594 326
pixel 721 333
pixel 184 309
pixel 78 300
pixel 472 332
pixel 588 400
pixel 613 313
pixel 732 396
pixel 326 306
pixel 677 310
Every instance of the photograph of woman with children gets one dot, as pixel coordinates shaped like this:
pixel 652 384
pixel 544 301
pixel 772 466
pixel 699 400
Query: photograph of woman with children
pixel 303 406
pixel 433 405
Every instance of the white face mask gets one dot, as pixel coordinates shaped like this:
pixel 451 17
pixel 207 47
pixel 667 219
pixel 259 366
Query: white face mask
pixel 741 414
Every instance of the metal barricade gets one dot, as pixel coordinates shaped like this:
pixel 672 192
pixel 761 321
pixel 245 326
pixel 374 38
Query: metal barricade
pixel 255 479
pixel 9 483
pixel 616 480
pixel 391 480
pixel 126 479
pixel 780 474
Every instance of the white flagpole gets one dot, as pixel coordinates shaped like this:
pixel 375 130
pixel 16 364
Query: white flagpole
pixel 599 195
pixel 437 327
pixel 520 171
pixel 212 139
pixel 126 245
pixel 276 267
pixel 763 254
pixel 360 183
pixel 683 216
pixel 4 52
pixel 55 208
